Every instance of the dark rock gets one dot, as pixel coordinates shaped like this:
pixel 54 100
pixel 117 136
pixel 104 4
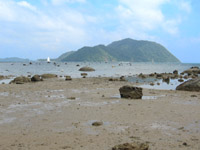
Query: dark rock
pixel 84 75
pixel 190 85
pixel 67 78
pixel 21 80
pixel 36 78
pixel 113 79
pixel 88 69
pixel 131 146
pixel 158 76
pixel 97 123
pixel 180 80
pixel 46 76
pixel 166 79
pixel 2 77
pixel 152 84
pixel 175 72
pixel 131 92
pixel 122 78
pixel 72 98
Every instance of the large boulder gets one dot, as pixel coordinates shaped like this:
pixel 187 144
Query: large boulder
pixel 47 76
pixel 36 78
pixel 190 85
pixel 131 146
pixel 87 69
pixel 21 80
pixel 131 92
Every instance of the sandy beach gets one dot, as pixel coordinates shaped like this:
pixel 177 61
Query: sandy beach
pixel 45 116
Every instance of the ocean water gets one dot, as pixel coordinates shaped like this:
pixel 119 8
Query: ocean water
pixel 114 69
pixel 102 69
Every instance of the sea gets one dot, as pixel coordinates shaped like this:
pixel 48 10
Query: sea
pixel 102 69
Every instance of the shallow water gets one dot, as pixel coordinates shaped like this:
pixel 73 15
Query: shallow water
pixel 115 69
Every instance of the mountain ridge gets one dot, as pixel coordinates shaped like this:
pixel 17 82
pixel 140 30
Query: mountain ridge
pixel 123 50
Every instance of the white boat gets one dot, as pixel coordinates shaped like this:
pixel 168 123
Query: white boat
pixel 48 60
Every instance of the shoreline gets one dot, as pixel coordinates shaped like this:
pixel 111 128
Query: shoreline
pixel 43 116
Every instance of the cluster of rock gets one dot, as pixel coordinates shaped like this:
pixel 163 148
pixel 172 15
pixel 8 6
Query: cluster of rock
pixel 122 78
pixel 35 78
pixel 131 146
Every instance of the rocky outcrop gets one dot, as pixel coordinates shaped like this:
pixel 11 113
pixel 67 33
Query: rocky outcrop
pixel 21 80
pixel 36 78
pixel 87 69
pixel 47 76
pixel 192 70
pixel 190 85
pixel 131 92
pixel 131 146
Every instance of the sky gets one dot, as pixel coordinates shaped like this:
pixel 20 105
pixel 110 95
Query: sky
pixel 40 28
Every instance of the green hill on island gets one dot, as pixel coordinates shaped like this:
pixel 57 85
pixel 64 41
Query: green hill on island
pixel 123 50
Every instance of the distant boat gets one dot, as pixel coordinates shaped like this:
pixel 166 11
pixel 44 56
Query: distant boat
pixel 48 60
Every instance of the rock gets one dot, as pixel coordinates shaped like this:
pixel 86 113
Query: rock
pixel 175 72
pixel 72 98
pixel 142 76
pixel 159 76
pixel 180 80
pixel 97 123
pixel 192 70
pixel 1 77
pixel 113 79
pixel 21 80
pixel 131 146
pixel 166 79
pixel 152 84
pixel 190 85
pixel 68 78
pixel 84 75
pixel 131 92
pixel 122 78
pixel 36 78
pixel 88 69
pixel 46 76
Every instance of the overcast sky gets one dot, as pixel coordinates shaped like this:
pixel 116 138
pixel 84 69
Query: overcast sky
pixel 40 28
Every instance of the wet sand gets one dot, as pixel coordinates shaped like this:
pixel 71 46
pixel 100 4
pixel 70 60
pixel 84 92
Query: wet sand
pixel 41 116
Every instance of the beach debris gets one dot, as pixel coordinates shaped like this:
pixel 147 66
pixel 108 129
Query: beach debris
pixel 46 76
pixel 36 78
pixel 97 123
pixel 131 92
pixel 68 78
pixel 21 80
pixel 190 85
pixel 132 146
pixel 87 69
